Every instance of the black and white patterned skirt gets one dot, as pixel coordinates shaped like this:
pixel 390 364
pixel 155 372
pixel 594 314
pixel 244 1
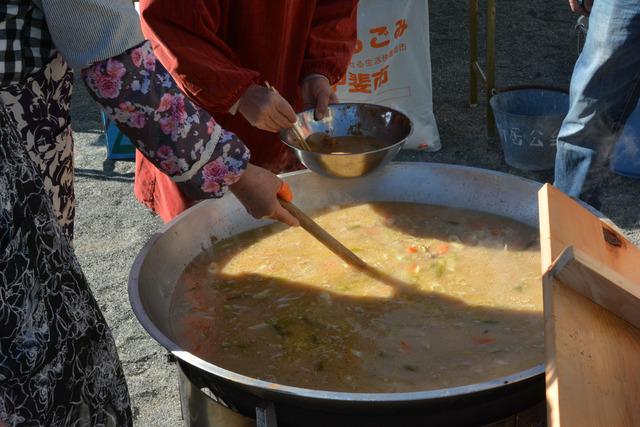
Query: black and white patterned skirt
pixel 40 107
pixel 58 361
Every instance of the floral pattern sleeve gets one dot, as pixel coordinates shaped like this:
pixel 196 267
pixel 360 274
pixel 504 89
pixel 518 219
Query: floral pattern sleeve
pixel 180 138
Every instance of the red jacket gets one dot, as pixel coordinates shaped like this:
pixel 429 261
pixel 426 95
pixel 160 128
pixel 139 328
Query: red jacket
pixel 215 49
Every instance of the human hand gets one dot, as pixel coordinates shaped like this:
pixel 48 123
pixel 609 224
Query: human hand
pixel 317 93
pixel 266 109
pixel 258 190
pixel 583 7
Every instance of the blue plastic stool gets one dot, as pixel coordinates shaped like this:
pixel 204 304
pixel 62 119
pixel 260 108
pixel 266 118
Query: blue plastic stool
pixel 119 147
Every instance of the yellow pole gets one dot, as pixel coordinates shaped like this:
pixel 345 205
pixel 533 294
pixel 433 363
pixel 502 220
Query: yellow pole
pixel 491 63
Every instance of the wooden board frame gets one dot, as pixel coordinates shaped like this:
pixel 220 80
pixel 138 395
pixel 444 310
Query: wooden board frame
pixel 592 350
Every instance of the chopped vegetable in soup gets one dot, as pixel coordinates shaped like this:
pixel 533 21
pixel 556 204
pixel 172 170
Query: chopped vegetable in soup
pixel 275 304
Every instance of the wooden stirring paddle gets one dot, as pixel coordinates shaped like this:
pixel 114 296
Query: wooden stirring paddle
pixel 285 195
pixel 324 237
pixel 343 252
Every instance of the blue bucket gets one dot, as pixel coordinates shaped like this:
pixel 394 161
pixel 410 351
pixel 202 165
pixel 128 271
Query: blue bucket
pixel 626 154
pixel 528 119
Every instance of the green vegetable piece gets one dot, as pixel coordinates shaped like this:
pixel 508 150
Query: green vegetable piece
pixel 278 326
pixel 263 294
pixel 439 268
pixel 410 368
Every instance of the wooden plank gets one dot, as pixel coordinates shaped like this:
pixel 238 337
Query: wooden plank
pixel 599 283
pixel 592 355
pixel 564 223
pixel 593 366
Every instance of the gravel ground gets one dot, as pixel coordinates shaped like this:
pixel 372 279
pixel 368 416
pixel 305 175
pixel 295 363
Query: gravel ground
pixel 535 44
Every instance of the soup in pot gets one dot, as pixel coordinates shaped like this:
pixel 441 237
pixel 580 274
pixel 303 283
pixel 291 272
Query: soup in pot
pixel 275 304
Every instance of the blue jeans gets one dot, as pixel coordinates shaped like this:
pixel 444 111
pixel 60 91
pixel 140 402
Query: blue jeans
pixel 605 87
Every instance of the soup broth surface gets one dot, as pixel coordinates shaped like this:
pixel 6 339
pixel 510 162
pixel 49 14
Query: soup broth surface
pixel 275 304
pixel 320 142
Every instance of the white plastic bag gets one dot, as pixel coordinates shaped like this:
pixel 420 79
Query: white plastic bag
pixel 392 65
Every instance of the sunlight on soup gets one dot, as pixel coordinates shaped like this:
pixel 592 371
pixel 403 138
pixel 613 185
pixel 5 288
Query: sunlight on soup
pixel 276 305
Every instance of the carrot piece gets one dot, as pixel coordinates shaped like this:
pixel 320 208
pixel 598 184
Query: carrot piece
pixel 372 231
pixel 352 359
pixel 484 340
pixel 412 249
pixel 495 231
pixel 413 268
pixel 332 264
pixel 404 346
pixel 443 248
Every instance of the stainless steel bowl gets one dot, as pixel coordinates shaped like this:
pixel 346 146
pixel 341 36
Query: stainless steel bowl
pixel 351 119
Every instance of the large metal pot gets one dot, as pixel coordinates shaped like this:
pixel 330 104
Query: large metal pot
pixel 161 261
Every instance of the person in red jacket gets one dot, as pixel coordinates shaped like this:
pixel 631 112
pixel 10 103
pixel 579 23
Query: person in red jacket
pixel 221 53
